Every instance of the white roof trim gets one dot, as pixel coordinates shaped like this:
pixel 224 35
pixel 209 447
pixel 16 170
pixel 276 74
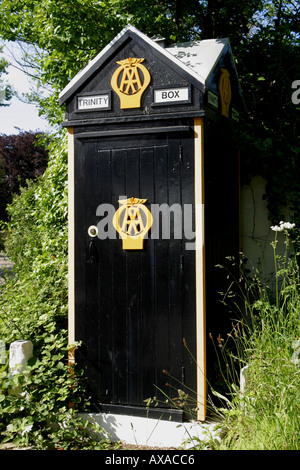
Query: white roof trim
pixel 90 64
pixel 210 51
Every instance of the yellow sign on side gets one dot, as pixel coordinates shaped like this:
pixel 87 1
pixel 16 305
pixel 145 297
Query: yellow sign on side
pixel 225 91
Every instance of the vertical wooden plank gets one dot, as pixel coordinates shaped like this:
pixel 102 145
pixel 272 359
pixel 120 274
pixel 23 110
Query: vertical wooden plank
pixel 118 286
pixel 200 268
pixel 92 320
pixel 133 288
pixel 104 288
pixel 188 268
pixel 175 259
pixel 162 270
pixel 148 283
pixel 80 231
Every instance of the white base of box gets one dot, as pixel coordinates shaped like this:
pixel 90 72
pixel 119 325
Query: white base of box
pixel 151 432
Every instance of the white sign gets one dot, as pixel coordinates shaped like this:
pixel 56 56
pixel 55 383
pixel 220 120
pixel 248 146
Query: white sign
pixel 93 102
pixel 172 95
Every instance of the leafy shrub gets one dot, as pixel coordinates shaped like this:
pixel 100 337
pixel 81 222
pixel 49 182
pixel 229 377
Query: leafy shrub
pixel 34 307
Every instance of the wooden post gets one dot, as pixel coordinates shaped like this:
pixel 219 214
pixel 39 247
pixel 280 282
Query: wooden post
pixel 71 244
pixel 200 269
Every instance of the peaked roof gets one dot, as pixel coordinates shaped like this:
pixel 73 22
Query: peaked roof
pixel 195 58
pixel 199 56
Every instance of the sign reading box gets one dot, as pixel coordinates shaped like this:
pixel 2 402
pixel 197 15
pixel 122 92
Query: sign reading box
pixel 172 95
pixel 93 102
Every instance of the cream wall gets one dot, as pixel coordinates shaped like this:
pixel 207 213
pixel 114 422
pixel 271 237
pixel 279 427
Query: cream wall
pixel 256 233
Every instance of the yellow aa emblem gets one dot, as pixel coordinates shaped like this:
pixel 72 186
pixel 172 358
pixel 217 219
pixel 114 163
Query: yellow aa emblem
pixel 225 92
pixel 129 81
pixel 132 221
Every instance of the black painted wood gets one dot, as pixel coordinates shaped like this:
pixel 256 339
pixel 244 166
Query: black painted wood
pixel 134 307
pixel 163 72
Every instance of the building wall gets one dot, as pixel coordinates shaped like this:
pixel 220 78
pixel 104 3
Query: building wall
pixel 256 233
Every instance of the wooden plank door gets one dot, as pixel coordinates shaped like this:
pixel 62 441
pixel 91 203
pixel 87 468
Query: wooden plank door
pixel 133 308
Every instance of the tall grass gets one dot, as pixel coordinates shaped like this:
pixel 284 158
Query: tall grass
pixel 264 415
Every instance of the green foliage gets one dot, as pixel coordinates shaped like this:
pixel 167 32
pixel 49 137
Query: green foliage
pixel 38 217
pixel 6 91
pixel 34 307
pixel 66 37
pixel 269 133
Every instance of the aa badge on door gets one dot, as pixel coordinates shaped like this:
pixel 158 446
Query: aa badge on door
pixel 132 221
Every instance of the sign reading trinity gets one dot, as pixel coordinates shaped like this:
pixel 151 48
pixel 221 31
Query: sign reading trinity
pixel 152 173
pixel 94 102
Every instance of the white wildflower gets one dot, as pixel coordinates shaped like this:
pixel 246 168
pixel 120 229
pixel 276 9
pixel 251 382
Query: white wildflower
pixel 27 429
pixel 282 226
pixel 276 228
pixel 287 225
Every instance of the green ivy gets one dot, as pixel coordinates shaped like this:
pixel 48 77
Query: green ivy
pixel 34 307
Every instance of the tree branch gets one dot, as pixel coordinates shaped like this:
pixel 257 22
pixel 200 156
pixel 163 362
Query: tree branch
pixel 278 19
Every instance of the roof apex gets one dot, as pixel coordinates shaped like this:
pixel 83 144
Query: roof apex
pixel 195 58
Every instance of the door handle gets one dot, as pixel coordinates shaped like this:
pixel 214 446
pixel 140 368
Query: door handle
pixel 93 254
